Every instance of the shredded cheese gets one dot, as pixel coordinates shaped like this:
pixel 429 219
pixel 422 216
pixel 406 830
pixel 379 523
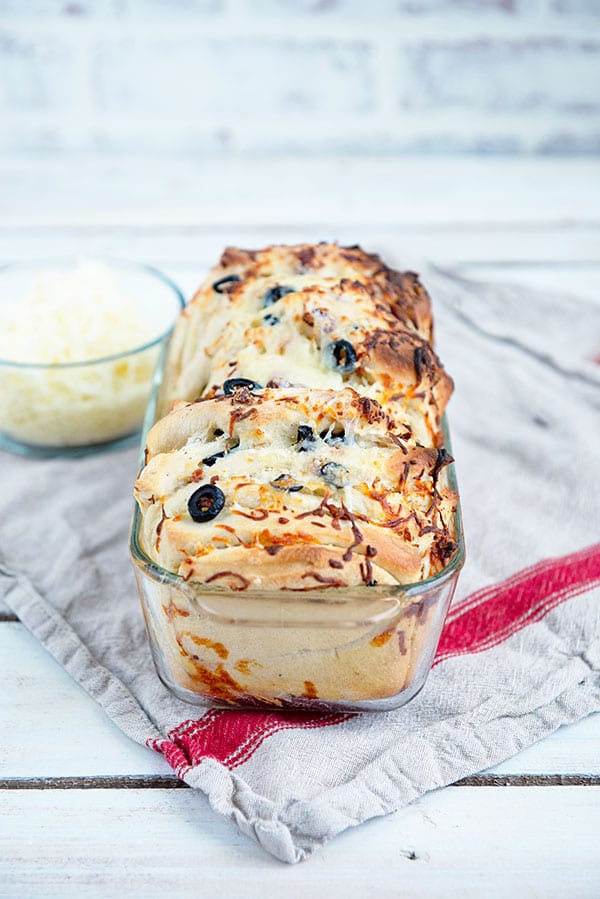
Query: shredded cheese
pixel 70 317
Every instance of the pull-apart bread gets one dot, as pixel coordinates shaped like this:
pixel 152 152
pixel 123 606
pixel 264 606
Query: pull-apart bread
pixel 314 316
pixel 297 489
pixel 300 450
pixel 306 404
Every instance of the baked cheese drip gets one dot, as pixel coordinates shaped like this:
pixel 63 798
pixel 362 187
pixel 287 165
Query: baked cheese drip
pixel 319 316
pixel 293 489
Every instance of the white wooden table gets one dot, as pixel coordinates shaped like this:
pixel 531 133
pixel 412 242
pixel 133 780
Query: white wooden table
pixel 84 811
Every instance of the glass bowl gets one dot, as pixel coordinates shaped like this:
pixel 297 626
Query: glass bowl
pixel 339 649
pixel 75 408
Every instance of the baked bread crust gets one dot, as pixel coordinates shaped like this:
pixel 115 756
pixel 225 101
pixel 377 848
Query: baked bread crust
pixel 293 342
pixel 291 321
pixel 320 487
pixel 333 288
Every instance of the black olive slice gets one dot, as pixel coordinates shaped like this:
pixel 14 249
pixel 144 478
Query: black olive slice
pixel 229 279
pixel 210 460
pixel 230 444
pixel 341 356
pixel 305 438
pixel 206 502
pixel 286 482
pixel 335 474
pixel 276 293
pixel 337 435
pixel 271 319
pixel 232 384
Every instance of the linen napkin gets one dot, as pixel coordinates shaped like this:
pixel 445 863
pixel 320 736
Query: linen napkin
pixel 520 654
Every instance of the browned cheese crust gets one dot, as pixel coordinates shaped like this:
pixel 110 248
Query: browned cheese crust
pixel 277 316
pixel 319 489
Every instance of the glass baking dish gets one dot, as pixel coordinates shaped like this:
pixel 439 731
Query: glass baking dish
pixel 339 649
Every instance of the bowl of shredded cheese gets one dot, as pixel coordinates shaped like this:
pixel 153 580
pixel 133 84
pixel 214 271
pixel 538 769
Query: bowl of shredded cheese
pixel 79 341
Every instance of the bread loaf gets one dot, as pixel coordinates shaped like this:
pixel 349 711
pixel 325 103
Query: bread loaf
pixel 265 326
pixel 320 316
pixel 300 449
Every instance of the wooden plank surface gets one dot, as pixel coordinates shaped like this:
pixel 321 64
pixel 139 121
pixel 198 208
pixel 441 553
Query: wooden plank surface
pixel 92 831
pixel 460 842
pixel 74 738
pixel 73 735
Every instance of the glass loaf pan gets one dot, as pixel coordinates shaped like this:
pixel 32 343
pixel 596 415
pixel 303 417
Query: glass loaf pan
pixel 339 649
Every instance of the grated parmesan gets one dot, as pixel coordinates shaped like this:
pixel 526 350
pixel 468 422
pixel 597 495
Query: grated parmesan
pixel 72 317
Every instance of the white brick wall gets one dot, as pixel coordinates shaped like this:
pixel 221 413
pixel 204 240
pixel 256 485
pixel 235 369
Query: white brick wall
pixel 260 77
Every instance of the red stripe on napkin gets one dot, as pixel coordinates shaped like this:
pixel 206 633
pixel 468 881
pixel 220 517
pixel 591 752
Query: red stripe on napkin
pixel 495 613
pixel 231 737
pixel 480 622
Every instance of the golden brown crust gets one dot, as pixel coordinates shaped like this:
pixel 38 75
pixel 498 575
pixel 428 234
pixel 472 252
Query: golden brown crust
pixel 399 292
pixel 365 500
pixel 320 489
pixel 341 285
